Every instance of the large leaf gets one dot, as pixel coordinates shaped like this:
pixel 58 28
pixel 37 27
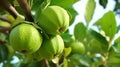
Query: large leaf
pixel 80 31
pixel 63 3
pixel 97 41
pixel 90 7
pixel 103 3
pixel 108 24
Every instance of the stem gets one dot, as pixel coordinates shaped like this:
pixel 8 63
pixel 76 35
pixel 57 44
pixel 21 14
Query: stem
pixel 5 19
pixel 26 9
pixel 7 6
pixel 45 61
pixel 57 65
pixel 4 29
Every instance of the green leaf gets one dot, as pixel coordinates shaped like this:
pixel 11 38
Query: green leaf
pixel 63 3
pixel 3 52
pixel 80 31
pixel 108 24
pixel 89 11
pixel 118 28
pixel 117 40
pixel 96 40
pixel 72 13
pixel 36 4
pixel 114 53
pixel 67 51
pixel 80 60
pixel 37 7
pixel 114 56
pixel 103 3
pixel 66 37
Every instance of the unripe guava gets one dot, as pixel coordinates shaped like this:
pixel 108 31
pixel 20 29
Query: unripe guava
pixel 36 56
pixel 25 38
pixel 54 20
pixel 52 47
pixel 77 47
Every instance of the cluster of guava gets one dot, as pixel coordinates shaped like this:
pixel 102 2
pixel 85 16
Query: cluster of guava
pixel 26 39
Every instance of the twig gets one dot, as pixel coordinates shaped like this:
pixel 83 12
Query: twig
pixel 5 19
pixel 4 29
pixel 7 6
pixel 45 61
pixel 26 9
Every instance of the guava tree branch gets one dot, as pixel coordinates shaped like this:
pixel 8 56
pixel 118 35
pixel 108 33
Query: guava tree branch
pixel 45 61
pixel 26 9
pixel 5 19
pixel 4 29
pixel 8 7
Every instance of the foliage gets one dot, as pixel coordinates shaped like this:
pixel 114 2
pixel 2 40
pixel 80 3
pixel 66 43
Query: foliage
pixel 102 48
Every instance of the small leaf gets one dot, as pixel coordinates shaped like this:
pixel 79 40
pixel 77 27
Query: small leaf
pixel 66 37
pixel 72 13
pixel 80 31
pixel 108 24
pixel 67 51
pixel 103 3
pixel 89 11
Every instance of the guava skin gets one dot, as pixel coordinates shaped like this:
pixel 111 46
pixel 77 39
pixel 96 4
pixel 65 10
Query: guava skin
pixel 36 56
pixel 77 47
pixel 54 20
pixel 52 47
pixel 25 38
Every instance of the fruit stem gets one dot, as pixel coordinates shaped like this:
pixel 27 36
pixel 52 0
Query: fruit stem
pixel 5 19
pixel 7 6
pixel 45 61
pixel 26 9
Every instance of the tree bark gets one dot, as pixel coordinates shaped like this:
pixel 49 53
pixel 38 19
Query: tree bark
pixel 26 10
pixel 8 7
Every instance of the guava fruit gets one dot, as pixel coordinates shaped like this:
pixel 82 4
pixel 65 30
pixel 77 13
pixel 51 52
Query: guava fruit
pixel 36 56
pixel 52 47
pixel 77 47
pixel 54 20
pixel 25 38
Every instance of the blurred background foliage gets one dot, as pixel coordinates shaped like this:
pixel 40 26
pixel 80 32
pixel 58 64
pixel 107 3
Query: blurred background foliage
pixel 101 47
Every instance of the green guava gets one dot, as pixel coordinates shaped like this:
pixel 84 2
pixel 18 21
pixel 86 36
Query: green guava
pixel 54 20
pixel 77 47
pixel 52 47
pixel 25 38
